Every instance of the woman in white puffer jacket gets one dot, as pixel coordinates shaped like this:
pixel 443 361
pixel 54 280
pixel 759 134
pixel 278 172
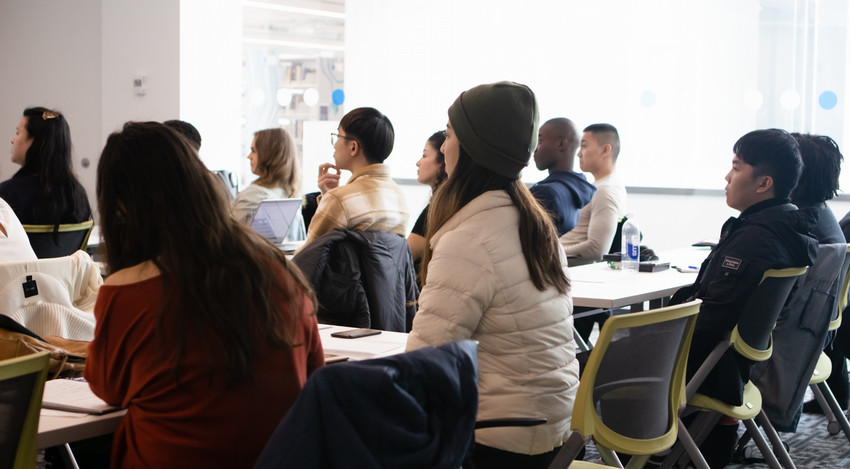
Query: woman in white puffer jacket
pixel 493 271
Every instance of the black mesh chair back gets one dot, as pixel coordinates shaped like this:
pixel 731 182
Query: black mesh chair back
pixel 21 387
pixel 633 385
pixel 51 241
pixel 755 327
pixel 631 392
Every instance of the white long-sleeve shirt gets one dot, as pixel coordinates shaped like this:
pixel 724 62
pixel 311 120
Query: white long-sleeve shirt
pixel 597 221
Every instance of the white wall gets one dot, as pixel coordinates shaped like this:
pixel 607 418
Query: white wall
pixel 82 56
pixel 50 56
pixel 139 39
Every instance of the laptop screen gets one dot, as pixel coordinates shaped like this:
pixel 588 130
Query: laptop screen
pixel 274 217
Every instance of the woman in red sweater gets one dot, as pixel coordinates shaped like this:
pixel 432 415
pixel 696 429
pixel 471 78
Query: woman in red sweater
pixel 205 333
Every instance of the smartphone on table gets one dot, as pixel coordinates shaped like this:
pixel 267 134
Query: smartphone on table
pixel 355 333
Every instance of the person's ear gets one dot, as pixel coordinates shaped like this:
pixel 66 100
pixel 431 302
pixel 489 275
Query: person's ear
pixel 562 143
pixel 764 184
pixel 354 147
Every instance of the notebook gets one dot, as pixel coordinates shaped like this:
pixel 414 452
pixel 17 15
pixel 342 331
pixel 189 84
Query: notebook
pixel 274 218
pixel 73 396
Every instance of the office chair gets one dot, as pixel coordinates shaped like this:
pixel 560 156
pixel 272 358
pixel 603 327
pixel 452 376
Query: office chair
pixel 415 409
pixel 836 419
pixel 798 338
pixel 362 279
pixel 21 388
pixel 751 338
pixel 50 241
pixel 632 387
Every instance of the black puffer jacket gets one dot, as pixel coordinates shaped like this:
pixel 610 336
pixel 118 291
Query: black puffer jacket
pixel 362 279
pixel 772 234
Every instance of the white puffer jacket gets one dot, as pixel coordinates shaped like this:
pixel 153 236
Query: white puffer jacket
pixel 479 287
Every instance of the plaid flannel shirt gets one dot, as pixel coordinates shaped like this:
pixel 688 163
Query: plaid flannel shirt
pixel 371 201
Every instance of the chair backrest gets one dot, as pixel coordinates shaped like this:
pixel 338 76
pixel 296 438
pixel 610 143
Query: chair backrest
pixel 844 281
pixel 752 336
pixel 21 388
pixel 634 380
pixel 50 241
pixel 415 409
pixel 362 279
pixel 617 242
pixel 230 181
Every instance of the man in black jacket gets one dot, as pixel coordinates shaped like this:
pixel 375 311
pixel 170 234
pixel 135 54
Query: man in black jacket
pixel 770 233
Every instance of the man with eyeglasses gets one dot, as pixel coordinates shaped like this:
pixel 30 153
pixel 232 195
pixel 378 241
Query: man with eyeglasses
pixel 371 201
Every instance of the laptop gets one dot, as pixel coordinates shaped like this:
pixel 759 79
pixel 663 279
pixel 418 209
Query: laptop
pixel 276 219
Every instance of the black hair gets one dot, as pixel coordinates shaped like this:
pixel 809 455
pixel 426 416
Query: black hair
pixel 774 153
pixel 821 168
pixel 606 134
pixel 187 130
pixel 436 140
pixel 49 156
pixel 372 130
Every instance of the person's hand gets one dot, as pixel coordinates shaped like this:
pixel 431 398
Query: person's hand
pixel 328 180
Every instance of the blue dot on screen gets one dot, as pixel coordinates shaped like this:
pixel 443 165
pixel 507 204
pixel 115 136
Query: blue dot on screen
pixel 827 100
pixel 338 96
pixel 647 99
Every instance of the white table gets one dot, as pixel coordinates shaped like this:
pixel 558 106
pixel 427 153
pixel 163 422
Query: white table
pixel 57 427
pixel 374 346
pixel 599 286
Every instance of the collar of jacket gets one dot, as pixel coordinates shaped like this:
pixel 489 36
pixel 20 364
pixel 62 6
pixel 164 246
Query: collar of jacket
pixel 379 170
pixel 486 201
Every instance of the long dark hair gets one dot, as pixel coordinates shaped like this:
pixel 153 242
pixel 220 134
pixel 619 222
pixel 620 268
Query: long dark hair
pixel 537 234
pixel 158 203
pixel 277 163
pixel 49 157
pixel 436 141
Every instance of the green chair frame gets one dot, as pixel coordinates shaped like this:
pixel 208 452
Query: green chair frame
pixel 25 455
pixel 86 226
pixel 586 422
pixel 750 411
pixel 836 420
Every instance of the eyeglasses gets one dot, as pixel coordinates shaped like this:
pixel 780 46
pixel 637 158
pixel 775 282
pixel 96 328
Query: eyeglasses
pixel 335 136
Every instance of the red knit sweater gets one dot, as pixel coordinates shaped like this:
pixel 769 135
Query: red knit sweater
pixel 200 422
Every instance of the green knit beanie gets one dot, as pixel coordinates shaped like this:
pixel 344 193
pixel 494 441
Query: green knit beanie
pixel 496 125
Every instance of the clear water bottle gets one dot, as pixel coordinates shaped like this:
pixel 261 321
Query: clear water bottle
pixel 631 246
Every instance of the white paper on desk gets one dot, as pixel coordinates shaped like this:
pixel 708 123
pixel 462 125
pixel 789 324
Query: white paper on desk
pixel 73 396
